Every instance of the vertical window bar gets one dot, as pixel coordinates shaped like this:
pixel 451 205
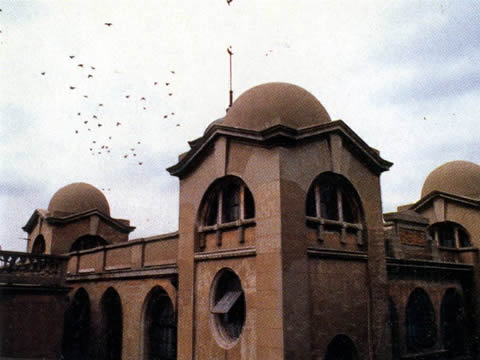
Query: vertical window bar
pixel 318 210
pixel 340 215
pixel 457 238
pixel 242 202
pixel 219 217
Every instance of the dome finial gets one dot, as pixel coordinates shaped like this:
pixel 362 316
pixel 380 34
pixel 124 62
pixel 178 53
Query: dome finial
pixel 230 53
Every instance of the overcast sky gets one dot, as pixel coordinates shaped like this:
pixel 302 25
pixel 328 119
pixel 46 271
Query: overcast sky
pixel 403 75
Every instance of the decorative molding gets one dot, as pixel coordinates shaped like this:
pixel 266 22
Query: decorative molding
pixel 225 254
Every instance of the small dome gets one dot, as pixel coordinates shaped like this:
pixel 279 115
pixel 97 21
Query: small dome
pixel 78 197
pixel 455 177
pixel 271 104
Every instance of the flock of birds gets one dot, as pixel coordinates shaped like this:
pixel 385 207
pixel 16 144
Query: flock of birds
pixel 94 121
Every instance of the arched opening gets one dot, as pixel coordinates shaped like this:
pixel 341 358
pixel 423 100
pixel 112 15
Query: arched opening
pixel 227 205
pixel 333 204
pixel 227 306
pixel 450 234
pixel 420 321
pixel 453 322
pixel 394 329
pixel 87 242
pixel 341 348
pixel 160 332
pixel 76 330
pixel 39 245
pixel 112 324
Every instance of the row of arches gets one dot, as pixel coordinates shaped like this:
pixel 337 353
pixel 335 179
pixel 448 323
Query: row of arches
pixel 159 331
pixel 420 324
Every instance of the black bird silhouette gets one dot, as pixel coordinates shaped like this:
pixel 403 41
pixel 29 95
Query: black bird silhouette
pixel 43 73
pixel 155 83
pixel 100 104
pixel 72 87
pixel 138 142
pixel 178 125
pixel 71 56
pixel 142 98
pixel 89 76
pixel 93 68
pixel 76 131
pixel 173 72
pixel 85 96
pixel 173 113
pixel 89 129
pixel 144 108
pixel 108 24
pixel 80 65
pixel 134 154
pixel 99 125
pixel 228 2
pixel 109 138
pixel 167 83
pixel 140 163
pixel 127 96
pixel 170 94
pixel 125 156
pixel 165 116
pixel 79 114
pixel 94 142
pixel 94 116
pixel 118 124
pixel 85 122
pixel 132 149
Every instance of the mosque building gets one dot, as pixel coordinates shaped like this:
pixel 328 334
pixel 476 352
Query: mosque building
pixel 282 252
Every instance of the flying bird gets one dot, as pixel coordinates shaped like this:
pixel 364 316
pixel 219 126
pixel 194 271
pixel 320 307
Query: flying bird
pixel 144 108
pixel 43 73
pixel 72 87
pixel 134 154
pixel 94 116
pixel 170 94
pixel 132 149
pixel 94 142
pixel 178 125
pixel 138 142
pixel 142 98
pixel 228 2
pixel 173 72
pixel 108 24
pixel 99 125
pixel 125 156
pixel 89 76
pixel 167 83
pixel 91 67
pixel 76 131
pixel 80 65
pixel 85 122
pixel 118 124
pixel 140 163
pixel 71 56
pixel 109 138
pixel 100 104
pixel 229 50
pixel 85 96
pixel 155 83
pixel 79 114
pixel 173 113
pixel 127 96
pixel 165 116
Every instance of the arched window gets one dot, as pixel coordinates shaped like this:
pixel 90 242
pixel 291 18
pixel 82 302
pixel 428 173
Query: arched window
pixel 341 348
pixel 227 306
pixel 420 321
pixel 160 332
pixel 450 234
pixel 87 242
pixel 38 245
pixel 227 204
pixel 76 329
pixel 453 323
pixel 112 324
pixel 333 204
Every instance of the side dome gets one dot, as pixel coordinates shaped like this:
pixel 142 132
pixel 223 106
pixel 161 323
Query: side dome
pixel 455 177
pixel 78 197
pixel 271 104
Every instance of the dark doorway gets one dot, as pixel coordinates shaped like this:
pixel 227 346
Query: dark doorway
pixel 394 329
pixel 76 330
pixel 341 348
pixel 420 321
pixel 112 325
pixel 453 323
pixel 160 327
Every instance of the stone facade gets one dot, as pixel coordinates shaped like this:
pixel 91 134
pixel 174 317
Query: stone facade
pixel 282 252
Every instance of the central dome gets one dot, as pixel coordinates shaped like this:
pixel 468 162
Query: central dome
pixel 78 197
pixel 455 177
pixel 267 105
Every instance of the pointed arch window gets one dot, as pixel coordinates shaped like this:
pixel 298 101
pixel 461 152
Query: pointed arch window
pixel 333 204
